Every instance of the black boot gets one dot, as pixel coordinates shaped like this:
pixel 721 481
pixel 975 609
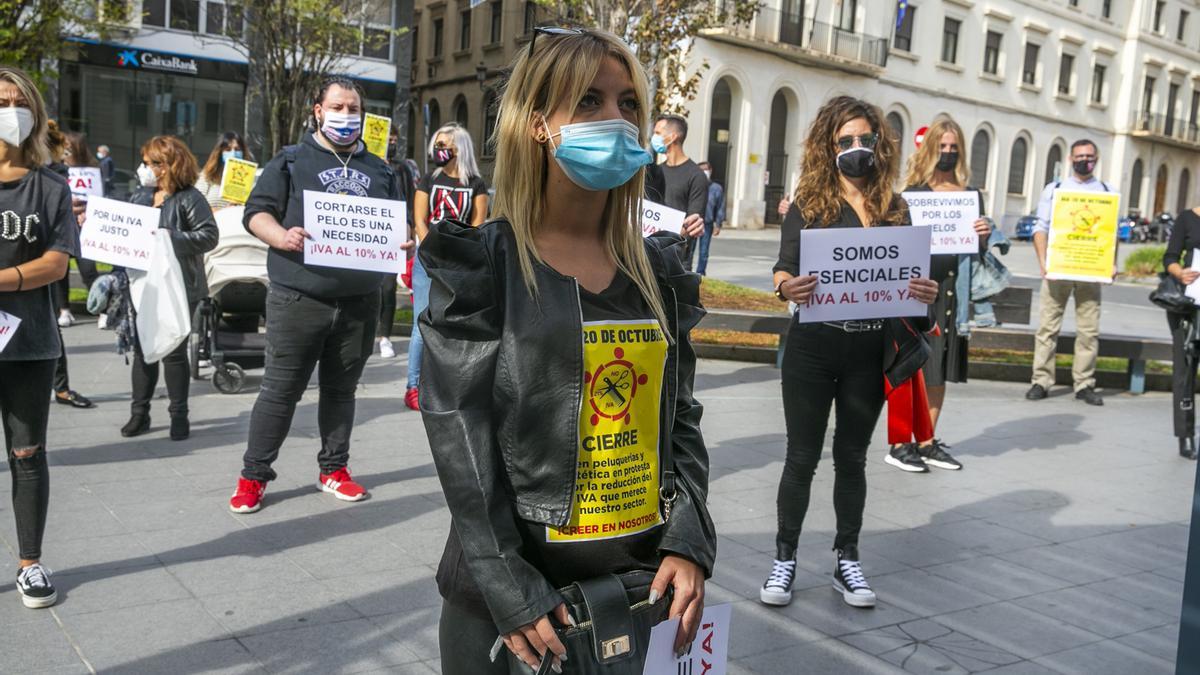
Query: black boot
pixel 180 429
pixel 137 425
pixel 1187 448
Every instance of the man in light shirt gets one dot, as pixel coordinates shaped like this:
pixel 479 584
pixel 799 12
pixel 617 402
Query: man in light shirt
pixel 1056 292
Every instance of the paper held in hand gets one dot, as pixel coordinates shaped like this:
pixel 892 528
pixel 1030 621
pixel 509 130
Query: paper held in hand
pixel 375 134
pixel 85 181
pixel 8 328
pixel 708 655
pixel 1083 236
pixel 863 272
pixel 118 233
pixel 659 218
pixel 1193 289
pixel 237 180
pixel 355 233
pixel 950 217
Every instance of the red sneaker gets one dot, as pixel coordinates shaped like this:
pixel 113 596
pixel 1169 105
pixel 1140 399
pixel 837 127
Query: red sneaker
pixel 410 399
pixel 342 486
pixel 248 497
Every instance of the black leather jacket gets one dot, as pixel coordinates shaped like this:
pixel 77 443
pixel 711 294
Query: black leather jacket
pixel 193 232
pixel 501 390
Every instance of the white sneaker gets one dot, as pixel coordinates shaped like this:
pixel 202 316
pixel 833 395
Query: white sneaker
pixel 385 348
pixel 33 584
pixel 778 588
pixel 66 319
pixel 102 322
pixel 849 580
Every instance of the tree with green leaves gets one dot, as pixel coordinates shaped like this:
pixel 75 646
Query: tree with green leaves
pixel 31 30
pixel 661 32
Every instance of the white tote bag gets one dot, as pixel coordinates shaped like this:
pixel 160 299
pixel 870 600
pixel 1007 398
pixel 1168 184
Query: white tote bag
pixel 160 300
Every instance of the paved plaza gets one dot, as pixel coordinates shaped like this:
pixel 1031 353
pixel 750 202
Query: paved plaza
pixel 1059 549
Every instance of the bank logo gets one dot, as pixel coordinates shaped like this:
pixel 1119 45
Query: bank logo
pixel 345 181
pixel 128 59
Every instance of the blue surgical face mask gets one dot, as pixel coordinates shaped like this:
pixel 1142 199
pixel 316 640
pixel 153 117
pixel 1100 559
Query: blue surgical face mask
pixel 599 156
pixel 227 155
pixel 659 144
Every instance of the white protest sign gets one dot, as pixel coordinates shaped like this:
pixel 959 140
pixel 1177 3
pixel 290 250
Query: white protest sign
pixel 708 655
pixel 85 181
pixel 118 233
pixel 951 218
pixel 863 272
pixel 355 233
pixel 8 328
pixel 659 218
pixel 1193 289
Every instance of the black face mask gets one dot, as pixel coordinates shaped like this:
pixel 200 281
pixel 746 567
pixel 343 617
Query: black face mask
pixel 856 162
pixel 947 161
pixel 1084 167
pixel 442 156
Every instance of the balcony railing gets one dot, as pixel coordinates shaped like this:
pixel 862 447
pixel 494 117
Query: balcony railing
pixel 1162 126
pixel 794 31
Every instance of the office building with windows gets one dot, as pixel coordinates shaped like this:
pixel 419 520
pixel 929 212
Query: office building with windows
pixel 1024 78
pixel 177 69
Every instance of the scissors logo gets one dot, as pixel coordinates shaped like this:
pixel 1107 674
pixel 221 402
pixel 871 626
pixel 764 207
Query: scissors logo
pixel 612 387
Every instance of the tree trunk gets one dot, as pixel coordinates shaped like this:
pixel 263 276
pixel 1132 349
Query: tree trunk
pixel 401 103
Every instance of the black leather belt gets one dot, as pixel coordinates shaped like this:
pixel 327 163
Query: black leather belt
pixel 856 326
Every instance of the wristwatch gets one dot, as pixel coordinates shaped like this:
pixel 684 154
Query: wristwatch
pixel 779 292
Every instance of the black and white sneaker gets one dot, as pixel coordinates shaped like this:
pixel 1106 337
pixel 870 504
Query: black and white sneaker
pixel 778 588
pixel 848 579
pixel 906 458
pixel 33 583
pixel 935 454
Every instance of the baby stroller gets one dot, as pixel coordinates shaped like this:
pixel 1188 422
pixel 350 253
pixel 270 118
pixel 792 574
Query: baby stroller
pixel 225 325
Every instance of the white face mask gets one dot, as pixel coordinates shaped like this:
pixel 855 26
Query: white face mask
pixel 146 176
pixel 15 125
pixel 341 128
pixel 708 175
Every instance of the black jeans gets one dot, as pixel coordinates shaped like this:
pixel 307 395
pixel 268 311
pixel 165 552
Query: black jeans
pixel 62 379
pixel 1183 372
pixel 823 365
pixel 465 641
pixel 24 413
pixel 302 331
pixel 387 307
pixel 178 376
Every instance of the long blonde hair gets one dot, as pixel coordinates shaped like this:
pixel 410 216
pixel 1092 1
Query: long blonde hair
pixel 819 192
pixel 36 149
pixel 923 162
pixel 559 73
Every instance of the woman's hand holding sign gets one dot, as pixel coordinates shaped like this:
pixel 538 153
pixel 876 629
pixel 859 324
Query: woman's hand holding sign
pixel 983 228
pixel 293 239
pixel 924 290
pixel 797 289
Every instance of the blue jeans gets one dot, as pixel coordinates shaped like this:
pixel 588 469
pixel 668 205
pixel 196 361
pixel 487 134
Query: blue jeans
pixel 705 240
pixel 420 289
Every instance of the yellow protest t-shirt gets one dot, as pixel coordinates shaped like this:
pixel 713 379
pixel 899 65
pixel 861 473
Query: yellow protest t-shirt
pixel 617 474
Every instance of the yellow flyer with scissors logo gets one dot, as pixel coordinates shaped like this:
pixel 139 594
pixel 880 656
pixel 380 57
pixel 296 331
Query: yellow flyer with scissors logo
pixel 238 180
pixel 1083 236
pixel 616 483
pixel 375 134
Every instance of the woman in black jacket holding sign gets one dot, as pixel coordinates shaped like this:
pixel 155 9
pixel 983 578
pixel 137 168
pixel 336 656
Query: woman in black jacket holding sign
pixel 1185 335
pixel 850 164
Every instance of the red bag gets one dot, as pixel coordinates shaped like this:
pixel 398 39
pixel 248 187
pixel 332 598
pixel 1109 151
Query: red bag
pixel 406 275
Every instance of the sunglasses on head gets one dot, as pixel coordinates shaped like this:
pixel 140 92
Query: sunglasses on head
pixel 550 30
pixel 865 140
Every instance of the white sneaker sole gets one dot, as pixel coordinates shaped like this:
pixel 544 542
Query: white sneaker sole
pixel 854 599
pixel 246 509
pixel 943 465
pixel 902 466
pixel 37 603
pixel 775 598
pixel 325 488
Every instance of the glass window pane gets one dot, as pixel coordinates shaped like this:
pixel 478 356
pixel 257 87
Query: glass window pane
pixel 185 15
pixel 154 12
pixel 214 23
pixel 235 19
pixel 377 44
pixel 981 147
pixel 1016 167
pixel 379 12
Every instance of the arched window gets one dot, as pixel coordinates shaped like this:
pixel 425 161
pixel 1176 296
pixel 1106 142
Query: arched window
pixel 897 124
pixel 1054 164
pixel 433 119
pixel 1016 166
pixel 1185 192
pixel 981 150
pixel 460 110
pixel 1135 185
pixel 491 108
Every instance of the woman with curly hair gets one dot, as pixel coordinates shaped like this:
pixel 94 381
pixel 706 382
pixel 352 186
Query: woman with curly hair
pixel 850 164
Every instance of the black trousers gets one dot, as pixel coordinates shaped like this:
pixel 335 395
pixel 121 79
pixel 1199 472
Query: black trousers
pixel 24 414
pixel 465 641
pixel 824 366
pixel 303 332
pixel 1183 372
pixel 387 307
pixel 62 378
pixel 144 377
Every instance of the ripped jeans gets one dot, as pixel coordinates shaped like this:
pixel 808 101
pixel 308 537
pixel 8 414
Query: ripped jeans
pixel 24 412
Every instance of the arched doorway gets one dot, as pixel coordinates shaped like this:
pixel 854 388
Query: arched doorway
pixel 1160 191
pixel 1054 164
pixel 777 158
pixel 1135 185
pixel 460 110
pixel 1184 202
pixel 981 150
pixel 720 132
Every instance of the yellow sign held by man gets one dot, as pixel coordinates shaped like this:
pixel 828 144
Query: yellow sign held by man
pixel 237 180
pixel 1083 236
pixel 375 134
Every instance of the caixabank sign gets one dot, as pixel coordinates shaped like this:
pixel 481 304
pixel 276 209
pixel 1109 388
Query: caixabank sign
pixel 139 60
pixel 170 63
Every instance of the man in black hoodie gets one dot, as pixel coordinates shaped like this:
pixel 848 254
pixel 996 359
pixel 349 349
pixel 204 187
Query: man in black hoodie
pixel 315 315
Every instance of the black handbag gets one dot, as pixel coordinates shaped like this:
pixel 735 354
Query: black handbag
pixel 613 618
pixel 1171 295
